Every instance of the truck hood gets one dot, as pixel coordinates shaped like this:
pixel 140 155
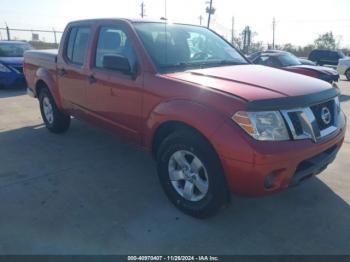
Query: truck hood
pixel 253 82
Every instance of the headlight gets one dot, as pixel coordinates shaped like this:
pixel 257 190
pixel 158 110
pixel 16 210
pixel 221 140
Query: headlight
pixel 266 126
pixel 4 69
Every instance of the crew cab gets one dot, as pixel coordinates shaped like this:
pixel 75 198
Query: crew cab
pixel 214 122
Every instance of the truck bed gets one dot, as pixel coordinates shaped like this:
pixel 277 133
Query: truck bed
pixel 35 59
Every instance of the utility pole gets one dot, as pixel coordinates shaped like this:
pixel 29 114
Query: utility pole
pixel 200 19
pixel 8 32
pixel 54 33
pixel 233 31
pixel 165 9
pixel 210 10
pixel 247 37
pixel 273 32
pixel 143 10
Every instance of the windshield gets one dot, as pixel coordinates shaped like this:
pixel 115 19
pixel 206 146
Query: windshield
pixel 13 49
pixel 174 47
pixel 289 60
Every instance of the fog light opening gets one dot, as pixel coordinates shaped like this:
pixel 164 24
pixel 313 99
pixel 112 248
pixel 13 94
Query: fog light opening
pixel 269 180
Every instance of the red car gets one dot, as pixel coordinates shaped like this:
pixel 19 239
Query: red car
pixel 289 62
pixel 214 122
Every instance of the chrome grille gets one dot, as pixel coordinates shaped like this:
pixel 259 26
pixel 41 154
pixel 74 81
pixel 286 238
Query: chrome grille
pixel 317 110
pixel 309 122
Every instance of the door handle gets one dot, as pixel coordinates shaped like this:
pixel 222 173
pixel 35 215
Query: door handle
pixel 61 72
pixel 91 79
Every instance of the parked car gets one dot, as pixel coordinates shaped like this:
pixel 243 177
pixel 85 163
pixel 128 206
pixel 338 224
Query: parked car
pixel 11 63
pixel 344 67
pixel 326 57
pixel 289 62
pixel 303 61
pixel 214 122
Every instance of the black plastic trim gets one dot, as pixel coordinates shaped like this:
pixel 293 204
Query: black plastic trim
pixel 291 102
pixel 314 166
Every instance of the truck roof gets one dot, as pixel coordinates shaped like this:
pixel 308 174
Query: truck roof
pixel 131 20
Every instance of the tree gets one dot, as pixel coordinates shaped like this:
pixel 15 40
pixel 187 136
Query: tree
pixel 326 41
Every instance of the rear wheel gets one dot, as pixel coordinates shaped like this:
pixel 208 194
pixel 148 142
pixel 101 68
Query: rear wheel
pixel 191 174
pixel 55 120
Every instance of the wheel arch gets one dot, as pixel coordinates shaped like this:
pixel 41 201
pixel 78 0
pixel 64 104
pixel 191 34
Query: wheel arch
pixel 169 127
pixel 346 72
pixel 176 115
pixel 44 79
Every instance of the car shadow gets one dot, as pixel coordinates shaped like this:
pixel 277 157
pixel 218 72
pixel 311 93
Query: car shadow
pixel 87 192
pixel 11 92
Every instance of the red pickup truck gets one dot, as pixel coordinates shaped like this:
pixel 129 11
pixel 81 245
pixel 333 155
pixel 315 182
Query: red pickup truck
pixel 214 122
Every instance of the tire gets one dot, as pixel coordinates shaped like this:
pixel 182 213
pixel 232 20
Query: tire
pixel 347 74
pixel 56 121
pixel 210 177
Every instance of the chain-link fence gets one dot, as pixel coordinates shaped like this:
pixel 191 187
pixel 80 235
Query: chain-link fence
pixel 40 39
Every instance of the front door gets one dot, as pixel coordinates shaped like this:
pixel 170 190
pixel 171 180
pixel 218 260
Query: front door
pixel 114 97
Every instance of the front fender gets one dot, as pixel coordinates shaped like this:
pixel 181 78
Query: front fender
pixel 193 114
pixel 49 78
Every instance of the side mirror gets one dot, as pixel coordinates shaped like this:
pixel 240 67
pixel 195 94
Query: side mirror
pixel 116 63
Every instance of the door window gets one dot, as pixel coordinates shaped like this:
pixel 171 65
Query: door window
pixel 114 41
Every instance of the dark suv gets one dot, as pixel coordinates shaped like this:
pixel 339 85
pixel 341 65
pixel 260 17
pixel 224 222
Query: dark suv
pixel 325 57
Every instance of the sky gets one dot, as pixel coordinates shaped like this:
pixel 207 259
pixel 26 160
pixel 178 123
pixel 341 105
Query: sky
pixel 298 22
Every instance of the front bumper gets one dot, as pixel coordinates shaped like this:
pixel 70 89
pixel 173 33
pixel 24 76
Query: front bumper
pixel 252 163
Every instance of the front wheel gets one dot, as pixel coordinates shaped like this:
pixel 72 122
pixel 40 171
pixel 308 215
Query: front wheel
pixel 55 120
pixel 191 174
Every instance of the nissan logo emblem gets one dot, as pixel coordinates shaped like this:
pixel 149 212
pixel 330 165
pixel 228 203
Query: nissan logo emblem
pixel 326 115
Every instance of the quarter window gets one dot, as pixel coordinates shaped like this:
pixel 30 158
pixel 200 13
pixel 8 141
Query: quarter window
pixel 78 44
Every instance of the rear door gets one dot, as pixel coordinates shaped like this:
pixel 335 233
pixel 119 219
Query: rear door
pixel 113 97
pixel 71 69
